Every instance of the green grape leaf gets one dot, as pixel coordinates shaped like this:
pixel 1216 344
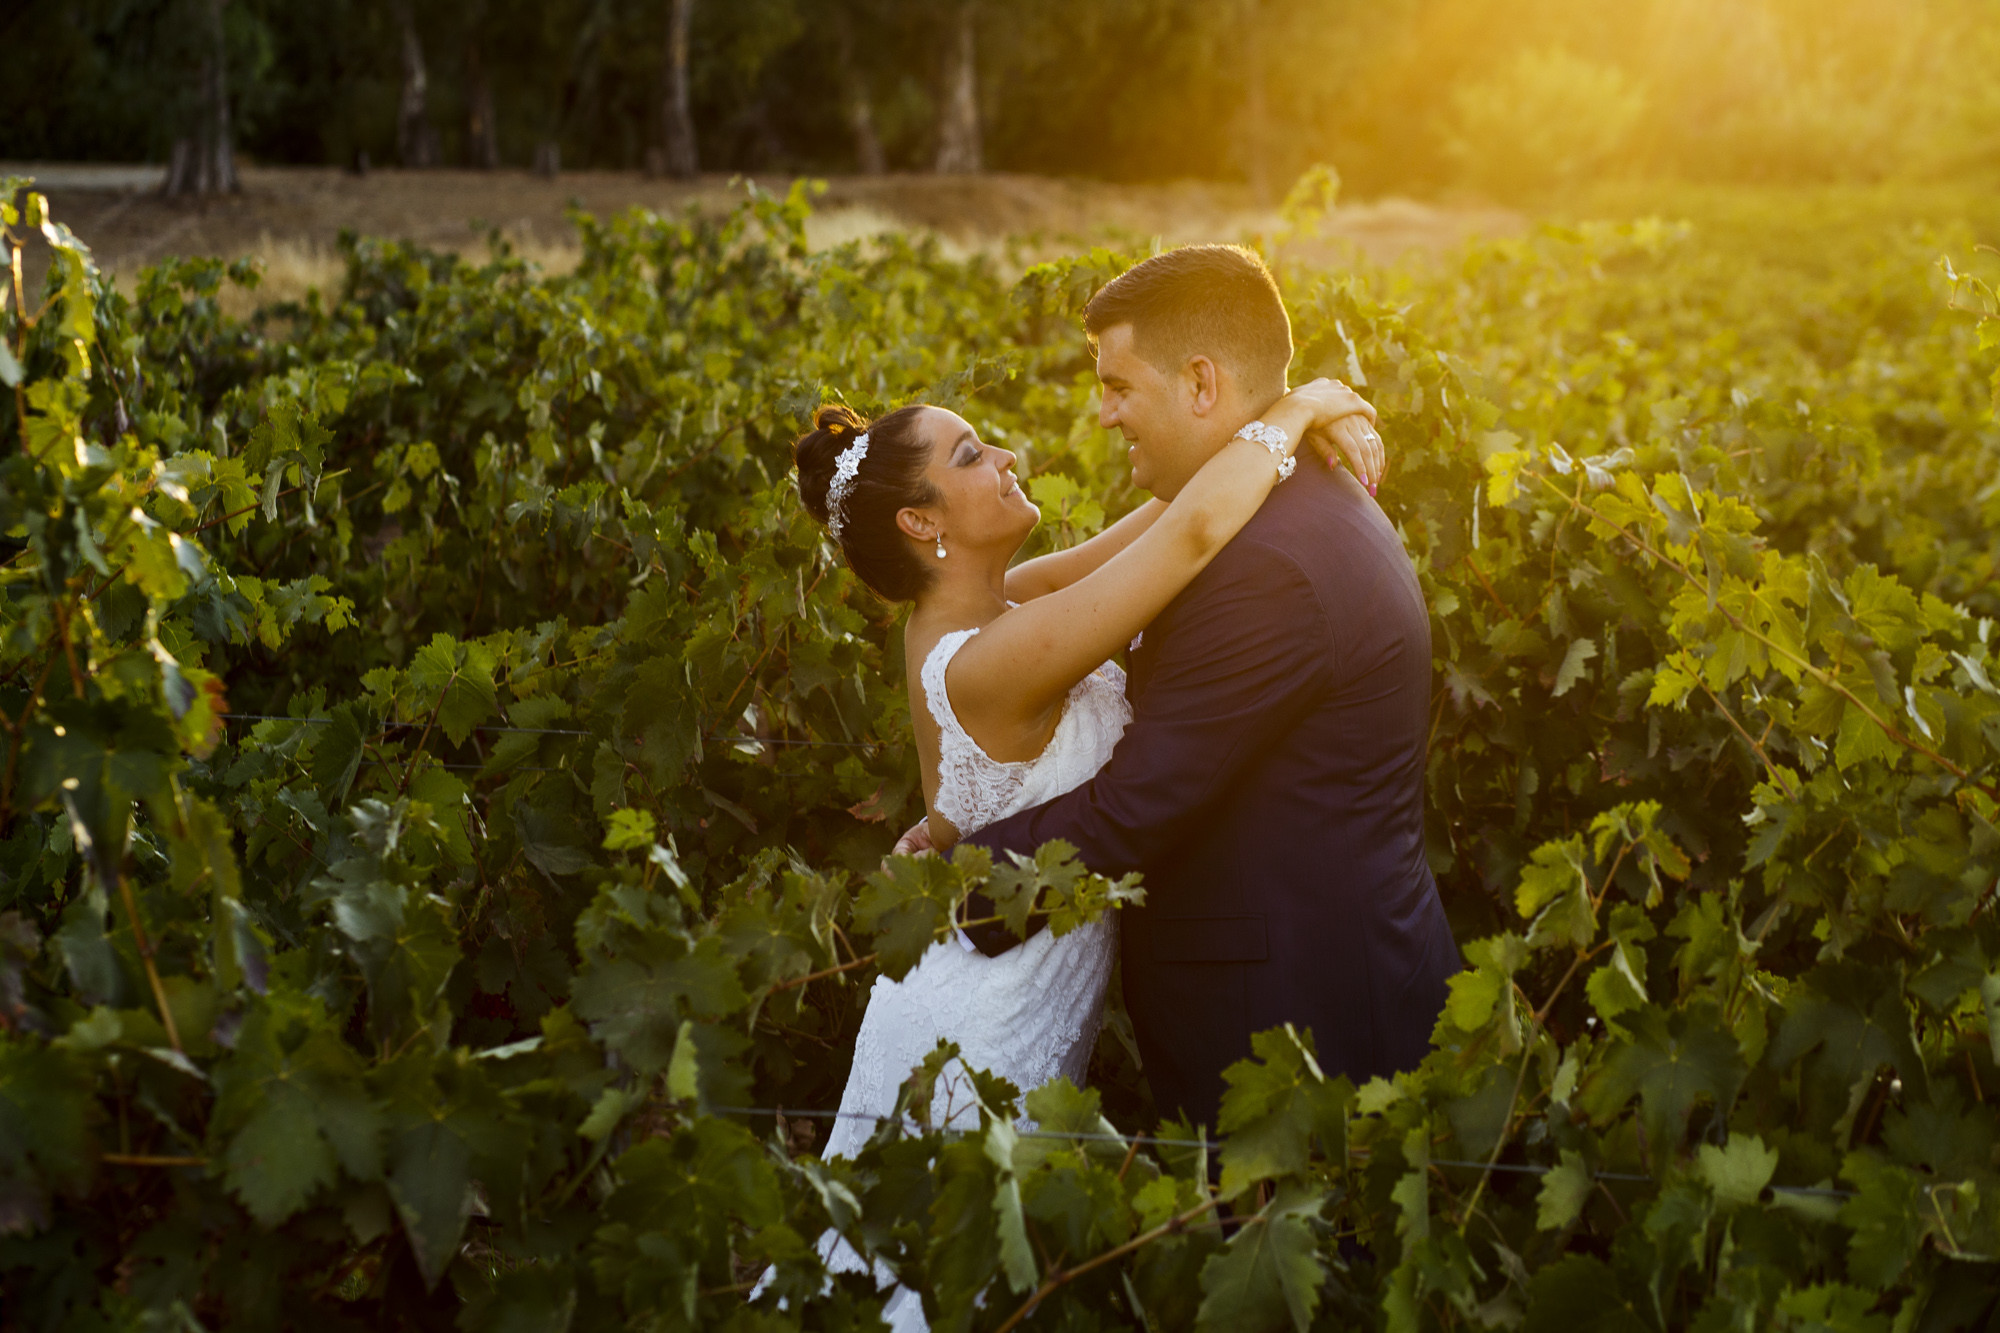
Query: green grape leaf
pixel 1886 1218
pixel 1267 1277
pixel 1579 1294
pixel 1851 1020
pixel 1554 894
pixel 684 1069
pixel 613 1105
pixel 1738 1171
pixel 457 680
pixel 628 829
pixel 677 1197
pixel 1158 1201
pixel 338 751
pixel 278 1160
pixel 1060 1107
pixel 1862 739
pixel 1564 1190
pixel 1615 987
pixel 963 1248
pixel 1575 661
pixel 429 1179
pixel 291 1112
pixel 636 1000
pixel 907 905
pixel 46 1115
pixel 1020 886
pixel 1834 1305
pixel 553 840
pixel 661 709
pixel 1010 1223
pixel 1487 986
pixel 1412 1191
pixel 1273 1106
pixel 1670 1060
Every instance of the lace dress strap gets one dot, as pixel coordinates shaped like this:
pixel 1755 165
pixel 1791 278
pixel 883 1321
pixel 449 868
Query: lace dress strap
pixel 935 697
pixel 973 788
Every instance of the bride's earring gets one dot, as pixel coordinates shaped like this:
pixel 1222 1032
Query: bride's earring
pixel 940 546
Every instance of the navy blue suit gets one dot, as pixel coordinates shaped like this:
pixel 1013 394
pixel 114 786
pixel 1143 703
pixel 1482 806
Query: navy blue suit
pixel 1271 790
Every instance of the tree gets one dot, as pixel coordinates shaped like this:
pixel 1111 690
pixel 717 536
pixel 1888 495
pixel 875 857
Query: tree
pixel 482 137
pixel 204 162
pixel 868 155
pixel 958 105
pixel 416 140
pixel 676 117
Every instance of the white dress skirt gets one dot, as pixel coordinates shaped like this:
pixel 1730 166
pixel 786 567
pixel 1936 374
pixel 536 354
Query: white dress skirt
pixel 1030 1015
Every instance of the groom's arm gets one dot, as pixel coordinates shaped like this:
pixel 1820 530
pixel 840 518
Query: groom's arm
pixel 1246 650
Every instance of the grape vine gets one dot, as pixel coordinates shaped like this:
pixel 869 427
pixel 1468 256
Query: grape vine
pixel 447 778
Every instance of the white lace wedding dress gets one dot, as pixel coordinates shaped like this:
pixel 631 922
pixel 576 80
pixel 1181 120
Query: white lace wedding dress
pixel 1029 1015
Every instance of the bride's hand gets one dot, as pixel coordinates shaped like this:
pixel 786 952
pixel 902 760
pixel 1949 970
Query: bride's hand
pixel 1339 423
pixel 916 841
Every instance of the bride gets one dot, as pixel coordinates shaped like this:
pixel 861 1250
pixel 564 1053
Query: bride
pixel 1015 702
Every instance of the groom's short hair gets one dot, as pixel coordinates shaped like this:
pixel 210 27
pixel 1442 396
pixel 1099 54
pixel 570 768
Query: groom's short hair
pixel 1217 301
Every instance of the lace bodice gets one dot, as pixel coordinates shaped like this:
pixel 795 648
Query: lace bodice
pixel 974 790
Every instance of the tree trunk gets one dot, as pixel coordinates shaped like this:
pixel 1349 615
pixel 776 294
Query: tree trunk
pixel 416 141
pixel 204 162
pixel 221 141
pixel 958 119
pixel 482 137
pixel 676 118
pixel 868 154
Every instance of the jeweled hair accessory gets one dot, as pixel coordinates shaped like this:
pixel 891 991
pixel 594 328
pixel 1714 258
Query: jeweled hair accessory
pixel 845 469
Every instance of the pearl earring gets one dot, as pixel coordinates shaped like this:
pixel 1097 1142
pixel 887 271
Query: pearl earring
pixel 940 546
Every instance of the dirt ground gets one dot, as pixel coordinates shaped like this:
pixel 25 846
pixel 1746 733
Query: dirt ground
pixel 291 217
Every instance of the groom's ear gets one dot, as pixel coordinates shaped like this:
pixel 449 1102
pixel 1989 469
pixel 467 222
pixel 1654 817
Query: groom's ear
pixel 1201 383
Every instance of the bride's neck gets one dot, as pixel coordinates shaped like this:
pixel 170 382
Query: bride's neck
pixel 963 596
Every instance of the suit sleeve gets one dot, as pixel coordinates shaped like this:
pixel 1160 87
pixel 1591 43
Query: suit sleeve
pixel 1246 650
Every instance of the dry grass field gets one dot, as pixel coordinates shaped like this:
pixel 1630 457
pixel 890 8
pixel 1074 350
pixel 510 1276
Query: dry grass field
pixel 290 218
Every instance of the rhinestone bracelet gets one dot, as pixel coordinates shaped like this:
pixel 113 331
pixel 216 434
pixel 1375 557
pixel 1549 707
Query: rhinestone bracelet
pixel 1257 432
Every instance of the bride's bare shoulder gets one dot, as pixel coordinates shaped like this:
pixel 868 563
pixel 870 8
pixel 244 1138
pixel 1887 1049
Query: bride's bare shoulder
pixel 922 635
pixel 984 695
pixel 920 640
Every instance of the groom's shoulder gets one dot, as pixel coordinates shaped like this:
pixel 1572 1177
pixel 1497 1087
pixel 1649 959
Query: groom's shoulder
pixel 1301 537
pixel 1321 518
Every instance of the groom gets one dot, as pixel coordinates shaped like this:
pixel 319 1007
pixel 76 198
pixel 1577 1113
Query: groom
pixel 1271 784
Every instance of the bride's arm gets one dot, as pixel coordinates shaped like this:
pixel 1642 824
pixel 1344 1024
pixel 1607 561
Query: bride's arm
pixel 1010 678
pixel 1351 438
pixel 1058 569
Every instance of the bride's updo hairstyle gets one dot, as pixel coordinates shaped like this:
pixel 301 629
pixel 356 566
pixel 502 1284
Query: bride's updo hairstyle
pixel 891 478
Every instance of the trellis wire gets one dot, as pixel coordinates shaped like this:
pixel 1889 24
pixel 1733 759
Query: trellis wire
pixel 561 731
pixel 1127 1139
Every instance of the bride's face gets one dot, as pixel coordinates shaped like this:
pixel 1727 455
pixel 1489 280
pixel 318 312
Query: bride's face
pixel 980 504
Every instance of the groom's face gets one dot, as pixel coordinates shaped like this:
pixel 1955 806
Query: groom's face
pixel 1155 410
